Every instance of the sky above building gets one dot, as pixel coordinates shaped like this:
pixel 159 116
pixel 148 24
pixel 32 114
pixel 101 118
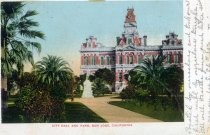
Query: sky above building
pixel 67 24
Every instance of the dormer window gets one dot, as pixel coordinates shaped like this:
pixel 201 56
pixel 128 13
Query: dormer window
pixel 172 42
pixel 89 45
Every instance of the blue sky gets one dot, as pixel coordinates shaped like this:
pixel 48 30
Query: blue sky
pixel 67 24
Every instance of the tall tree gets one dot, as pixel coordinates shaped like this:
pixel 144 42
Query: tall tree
pixel 150 73
pixel 17 32
pixel 55 73
pixel 105 74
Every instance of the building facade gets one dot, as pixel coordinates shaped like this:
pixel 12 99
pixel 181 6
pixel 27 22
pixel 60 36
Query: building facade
pixel 130 50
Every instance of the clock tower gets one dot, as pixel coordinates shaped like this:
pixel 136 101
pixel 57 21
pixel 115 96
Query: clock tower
pixel 130 35
pixel 130 22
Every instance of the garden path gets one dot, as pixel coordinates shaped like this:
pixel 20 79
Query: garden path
pixel 113 113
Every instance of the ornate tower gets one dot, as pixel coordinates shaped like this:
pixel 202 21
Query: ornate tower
pixel 130 26
pixel 130 36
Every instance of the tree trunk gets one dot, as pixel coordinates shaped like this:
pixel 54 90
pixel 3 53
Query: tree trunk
pixel 4 83
pixel 3 92
pixel 72 90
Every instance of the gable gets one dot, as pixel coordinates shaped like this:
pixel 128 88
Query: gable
pixel 129 48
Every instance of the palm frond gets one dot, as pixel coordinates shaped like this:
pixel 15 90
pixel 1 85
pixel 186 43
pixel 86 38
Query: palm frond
pixel 11 9
pixel 29 13
pixel 26 24
pixel 52 69
pixel 15 23
pixel 34 45
pixel 31 34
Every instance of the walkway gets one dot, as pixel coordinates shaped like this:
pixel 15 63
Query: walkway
pixel 113 113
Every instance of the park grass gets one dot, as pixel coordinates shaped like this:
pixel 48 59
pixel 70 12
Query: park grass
pixel 74 113
pixel 168 115
pixel 12 114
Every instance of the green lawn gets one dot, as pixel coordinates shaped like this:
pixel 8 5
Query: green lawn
pixel 12 115
pixel 75 112
pixel 169 115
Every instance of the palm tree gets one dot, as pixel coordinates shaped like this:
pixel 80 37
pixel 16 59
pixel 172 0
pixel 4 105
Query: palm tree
pixel 55 73
pixel 17 30
pixel 52 71
pixel 157 79
pixel 150 73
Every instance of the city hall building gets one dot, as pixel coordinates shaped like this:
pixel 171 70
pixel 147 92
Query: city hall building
pixel 130 50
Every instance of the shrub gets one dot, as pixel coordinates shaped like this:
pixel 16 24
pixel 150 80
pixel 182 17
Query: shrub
pixel 99 88
pixel 142 95
pixel 58 92
pixel 78 92
pixel 128 92
pixel 36 104
pixel 105 74
pixel 91 78
pixel 58 110
pixel 58 96
pixel 41 105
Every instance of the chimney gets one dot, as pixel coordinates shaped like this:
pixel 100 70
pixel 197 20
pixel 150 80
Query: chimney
pixel 145 40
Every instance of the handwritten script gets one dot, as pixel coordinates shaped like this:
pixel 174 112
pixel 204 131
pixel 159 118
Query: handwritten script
pixel 197 67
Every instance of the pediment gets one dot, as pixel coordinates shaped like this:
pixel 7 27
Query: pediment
pixel 129 48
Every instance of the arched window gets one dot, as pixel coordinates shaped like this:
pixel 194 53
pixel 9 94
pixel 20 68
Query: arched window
pixel 85 60
pixel 127 60
pixel 168 59
pixel 102 60
pixel 120 77
pixel 93 60
pixel 120 59
pixel 131 60
pixel 176 58
pixel 108 60
pixel 113 60
pixel 179 57
pixel 139 59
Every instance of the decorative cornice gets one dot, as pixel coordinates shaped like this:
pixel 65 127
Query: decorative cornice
pixel 96 66
pixel 99 49
pixel 172 47
pixel 126 65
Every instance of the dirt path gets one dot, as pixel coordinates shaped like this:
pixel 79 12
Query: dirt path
pixel 113 113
